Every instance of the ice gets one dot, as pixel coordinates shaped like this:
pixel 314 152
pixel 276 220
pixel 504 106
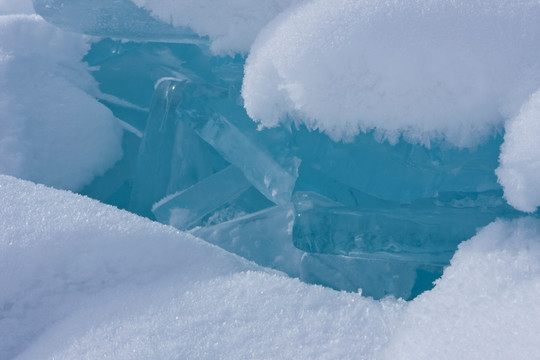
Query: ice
pixel 519 169
pixel 423 70
pixel 264 237
pixel 273 180
pixel 52 131
pixel 187 208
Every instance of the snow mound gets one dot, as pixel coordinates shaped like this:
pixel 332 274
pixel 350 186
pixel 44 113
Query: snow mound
pixel 424 70
pixel 82 280
pixel 519 170
pixel 231 25
pixel 51 130
pixel 486 304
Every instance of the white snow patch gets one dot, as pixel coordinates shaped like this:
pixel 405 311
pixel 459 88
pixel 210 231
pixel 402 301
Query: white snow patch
pixel 16 7
pixel 519 170
pixel 424 70
pixel 51 130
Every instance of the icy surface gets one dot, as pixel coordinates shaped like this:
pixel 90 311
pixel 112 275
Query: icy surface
pixel 519 170
pixel 52 131
pixel 83 280
pixel 424 70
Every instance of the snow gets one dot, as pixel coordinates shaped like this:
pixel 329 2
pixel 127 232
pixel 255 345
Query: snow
pixel 231 25
pixel 82 280
pixel 519 170
pixel 486 304
pixel 425 70
pixel 16 7
pixel 53 131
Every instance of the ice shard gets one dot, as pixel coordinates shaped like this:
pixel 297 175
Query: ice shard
pixel 264 237
pixel 272 179
pixel 188 207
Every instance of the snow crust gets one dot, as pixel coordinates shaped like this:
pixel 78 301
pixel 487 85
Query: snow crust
pixel 231 25
pixel 82 280
pixel 519 170
pixel 52 131
pixel 424 70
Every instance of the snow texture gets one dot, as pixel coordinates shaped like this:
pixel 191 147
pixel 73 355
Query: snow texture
pixel 82 280
pixel 425 70
pixel 231 25
pixel 519 170
pixel 16 7
pixel 52 131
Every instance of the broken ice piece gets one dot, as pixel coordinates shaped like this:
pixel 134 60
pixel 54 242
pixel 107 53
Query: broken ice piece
pixel 263 237
pixel 273 180
pixel 427 232
pixel 186 208
pixel 376 277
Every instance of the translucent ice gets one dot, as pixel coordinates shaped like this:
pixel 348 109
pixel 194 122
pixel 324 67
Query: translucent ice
pixel 187 208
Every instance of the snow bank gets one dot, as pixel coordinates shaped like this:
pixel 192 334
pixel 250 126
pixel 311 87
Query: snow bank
pixel 95 281
pixel 51 130
pixel 519 170
pixel 486 304
pixel 81 280
pixel 426 70
pixel 231 25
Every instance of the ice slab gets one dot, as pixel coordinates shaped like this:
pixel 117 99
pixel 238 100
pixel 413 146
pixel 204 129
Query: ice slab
pixel 264 237
pixel 424 232
pixel 372 276
pixel 187 208
pixel 272 179
pixel 171 157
